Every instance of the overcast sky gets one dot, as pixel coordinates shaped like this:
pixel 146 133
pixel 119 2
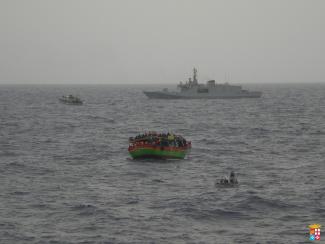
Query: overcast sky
pixel 160 41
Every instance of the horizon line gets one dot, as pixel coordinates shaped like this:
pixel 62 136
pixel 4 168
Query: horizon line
pixel 234 83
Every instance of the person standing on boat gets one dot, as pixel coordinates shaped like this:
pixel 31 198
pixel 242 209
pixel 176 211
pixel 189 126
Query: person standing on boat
pixel 232 178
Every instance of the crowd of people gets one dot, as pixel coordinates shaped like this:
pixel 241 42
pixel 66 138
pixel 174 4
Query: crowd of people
pixel 159 139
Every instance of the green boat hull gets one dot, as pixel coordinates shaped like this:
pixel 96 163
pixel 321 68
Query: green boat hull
pixel 157 153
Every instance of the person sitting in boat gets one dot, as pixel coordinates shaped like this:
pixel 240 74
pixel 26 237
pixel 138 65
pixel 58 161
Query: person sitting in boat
pixel 224 181
pixel 170 137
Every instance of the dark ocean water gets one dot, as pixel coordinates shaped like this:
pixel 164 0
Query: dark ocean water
pixel 66 176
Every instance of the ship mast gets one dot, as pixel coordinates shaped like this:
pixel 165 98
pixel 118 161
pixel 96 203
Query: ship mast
pixel 195 76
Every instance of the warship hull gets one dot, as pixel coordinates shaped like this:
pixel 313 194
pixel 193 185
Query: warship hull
pixel 176 95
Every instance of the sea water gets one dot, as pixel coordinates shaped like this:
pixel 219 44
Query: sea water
pixel 66 175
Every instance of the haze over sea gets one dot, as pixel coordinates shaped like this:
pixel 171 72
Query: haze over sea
pixel 66 176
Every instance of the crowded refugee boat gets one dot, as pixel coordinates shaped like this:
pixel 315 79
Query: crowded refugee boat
pixel 158 145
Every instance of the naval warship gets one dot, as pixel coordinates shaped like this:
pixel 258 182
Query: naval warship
pixel 193 89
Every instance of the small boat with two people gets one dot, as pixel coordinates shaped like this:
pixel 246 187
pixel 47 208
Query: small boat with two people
pixel 71 100
pixel 232 181
pixel 158 145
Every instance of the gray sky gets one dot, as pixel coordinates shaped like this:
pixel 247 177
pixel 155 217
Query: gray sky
pixel 159 41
